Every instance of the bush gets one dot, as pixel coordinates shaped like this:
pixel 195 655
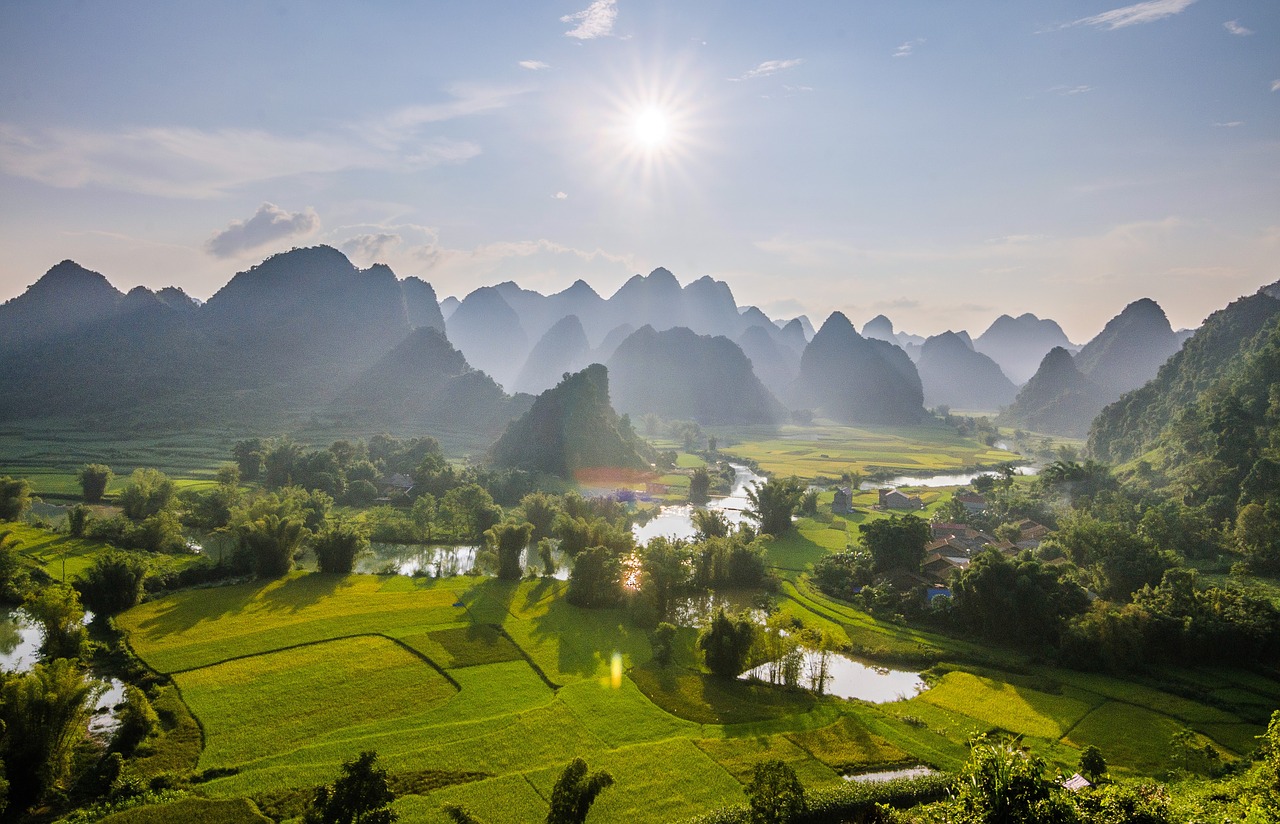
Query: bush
pixel 113 583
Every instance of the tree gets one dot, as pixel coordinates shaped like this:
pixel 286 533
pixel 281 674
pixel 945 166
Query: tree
pixel 248 457
pixel 15 498
pixel 360 795
pixel 272 544
pixel 138 720
pixel 574 793
pixel 78 518
pixel 596 579
pixel 664 569
pixel 774 793
pixel 1092 765
pixel 896 543
pixel 281 460
pixel 699 486
pixel 1001 785
pixel 93 479
pixel 540 510
pixel 809 502
pixel 337 546
pixel 508 540
pixel 57 609
pixel 726 642
pixel 470 511
pixel 149 492
pixel 709 523
pixel 663 643
pixel 113 582
pixel 45 714
pixel 773 502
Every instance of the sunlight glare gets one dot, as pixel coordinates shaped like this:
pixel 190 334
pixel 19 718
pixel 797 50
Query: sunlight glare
pixel 651 128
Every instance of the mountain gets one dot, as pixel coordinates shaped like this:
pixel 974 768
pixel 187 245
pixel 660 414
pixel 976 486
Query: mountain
pixel 612 341
pixel 852 379
pixel 953 374
pixel 1057 400
pixel 1137 421
pixel 306 316
pixel 569 428
pixel 488 331
pixel 793 334
pixel 1020 344
pixel 427 384
pixel 420 304
pixel 679 375
pixel 880 328
pixel 1130 349
pixel 776 364
pixel 562 349
pixel 65 298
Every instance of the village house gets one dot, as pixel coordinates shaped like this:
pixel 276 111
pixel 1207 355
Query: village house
pixel 843 503
pixel 972 502
pixel 893 499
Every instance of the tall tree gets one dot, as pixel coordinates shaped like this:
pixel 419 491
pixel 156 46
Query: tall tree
pixel 360 795
pixel 574 793
pixel 272 543
pixel 773 502
pixel 896 543
pixel 15 498
pixel 775 793
pixel 508 540
pixel 726 642
pixel 93 480
pixel 113 582
pixel 596 578
pixel 337 546
pixel 149 492
pixel 57 609
pixel 45 714
pixel 699 486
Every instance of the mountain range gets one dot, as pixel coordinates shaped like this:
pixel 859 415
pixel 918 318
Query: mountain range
pixel 308 336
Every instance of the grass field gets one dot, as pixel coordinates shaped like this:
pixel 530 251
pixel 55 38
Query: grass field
pixel 829 451
pixel 501 683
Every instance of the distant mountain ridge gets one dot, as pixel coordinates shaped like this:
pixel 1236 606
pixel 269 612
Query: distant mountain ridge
pixel 1020 344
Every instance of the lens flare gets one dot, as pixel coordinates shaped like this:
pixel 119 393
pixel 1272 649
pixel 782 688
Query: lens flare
pixel 615 671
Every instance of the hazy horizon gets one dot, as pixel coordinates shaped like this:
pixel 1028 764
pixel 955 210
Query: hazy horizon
pixel 941 165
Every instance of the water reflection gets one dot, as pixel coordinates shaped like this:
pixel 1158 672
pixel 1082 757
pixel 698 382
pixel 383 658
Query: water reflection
pixel 20 640
pixel 696 610
pixel 891 775
pixel 848 677
pixel 961 479
pixel 677 521
pixel 447 561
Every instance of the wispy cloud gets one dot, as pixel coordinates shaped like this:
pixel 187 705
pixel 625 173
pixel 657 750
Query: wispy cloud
pixel 1147 12
pixel 184 162
pixel 268 225
pixel 1235 28
pixel 908 48
pixel 370 248
pixel 1068 91
pixel 596 20
pixel 533 65
pixel 560 196
pixel 1230 124
pixel 769 67
pixel 1275 85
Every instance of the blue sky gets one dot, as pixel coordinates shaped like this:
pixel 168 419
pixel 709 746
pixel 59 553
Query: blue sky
pixel 939 162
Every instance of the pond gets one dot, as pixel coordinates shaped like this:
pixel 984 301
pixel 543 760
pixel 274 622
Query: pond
pixel 960 479
pixel 19 641
pixel 444 561
pixel 696 610
pixel 849 677
pixel 918 771
pixel 677 521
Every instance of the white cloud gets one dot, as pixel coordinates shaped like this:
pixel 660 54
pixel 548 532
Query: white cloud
pixel 769 67
pixel 1230 124
pixel 268 225
pixel 370 248
pixel 1275 85
pixel 179 161
pixel 594 21
pixel 1068 91
pixel 533 65
pixel 560 196
pixel 1235 28
pixel 1147 12
pixel 908 48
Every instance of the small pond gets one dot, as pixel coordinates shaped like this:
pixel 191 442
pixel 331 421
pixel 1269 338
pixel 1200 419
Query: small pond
pixel 849 677
pixel 696 610
pixel 677 521
pixel 961 479
pixel 918 771
pixel 444 561
pixel 19 641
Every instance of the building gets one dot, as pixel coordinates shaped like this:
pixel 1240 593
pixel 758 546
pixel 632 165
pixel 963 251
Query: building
pixel 893 499
pixel 843 503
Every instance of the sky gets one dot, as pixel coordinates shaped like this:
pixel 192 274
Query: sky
pixel 937 162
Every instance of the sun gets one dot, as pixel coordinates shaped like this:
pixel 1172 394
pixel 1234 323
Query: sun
pixel 650 128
